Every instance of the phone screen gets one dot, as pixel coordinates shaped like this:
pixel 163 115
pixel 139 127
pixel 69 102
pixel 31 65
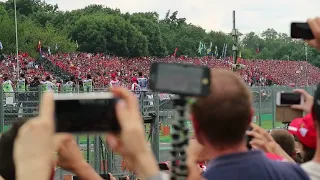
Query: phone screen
pixel 86 115
pixel 290 98
pixel 103 176
pixel 301 30
pixel 163 167
pixel 180 79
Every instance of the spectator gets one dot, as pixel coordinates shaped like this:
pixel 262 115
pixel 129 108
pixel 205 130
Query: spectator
pixel 313 167
pixel 222 133
pixel 303 129
pixel 286 141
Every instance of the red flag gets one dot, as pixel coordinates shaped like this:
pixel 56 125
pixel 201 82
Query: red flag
pixel 258 49
pixel 239 59
pixel 175 52
pixel 39 46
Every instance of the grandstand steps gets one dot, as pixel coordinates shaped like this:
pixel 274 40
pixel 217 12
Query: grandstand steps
pixel 52 68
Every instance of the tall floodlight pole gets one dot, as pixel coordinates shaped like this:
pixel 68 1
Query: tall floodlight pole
pixel 235 39
pixel 17 45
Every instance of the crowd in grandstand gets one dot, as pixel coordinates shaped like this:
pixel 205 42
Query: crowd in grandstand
pixel 104 69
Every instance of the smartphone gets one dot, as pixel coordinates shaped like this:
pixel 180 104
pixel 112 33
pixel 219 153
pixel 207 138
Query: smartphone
pixel 181 79
pixel 301 31
pixel 248 139
pixel 163 167
pixel 103 176
pixel 86 113
pixel 288 98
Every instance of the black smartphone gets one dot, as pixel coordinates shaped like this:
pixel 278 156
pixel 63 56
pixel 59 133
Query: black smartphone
pixel 181 79
pixel 163 167
pixel 86 113
pixel 301 31
pixel 248 139
pixel 103 176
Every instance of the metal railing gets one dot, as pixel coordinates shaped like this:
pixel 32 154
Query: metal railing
pixel 25 104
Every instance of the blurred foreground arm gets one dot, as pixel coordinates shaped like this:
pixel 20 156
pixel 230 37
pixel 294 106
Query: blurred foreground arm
pixel 34 144
pixel 70 158
pixel 131 143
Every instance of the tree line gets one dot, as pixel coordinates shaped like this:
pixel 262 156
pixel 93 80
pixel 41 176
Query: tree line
pixel 100 29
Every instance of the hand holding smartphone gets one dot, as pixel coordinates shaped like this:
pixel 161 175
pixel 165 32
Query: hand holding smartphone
pixel 289 99
pixel 284 101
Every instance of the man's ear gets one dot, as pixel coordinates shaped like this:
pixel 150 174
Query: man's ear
pixel 196 131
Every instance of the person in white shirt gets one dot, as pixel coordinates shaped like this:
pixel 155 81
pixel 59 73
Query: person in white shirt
pixel 143 82
pixel 48 85
pixel 114 81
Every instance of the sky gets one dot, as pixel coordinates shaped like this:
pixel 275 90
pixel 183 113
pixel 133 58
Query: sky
pixel 251 15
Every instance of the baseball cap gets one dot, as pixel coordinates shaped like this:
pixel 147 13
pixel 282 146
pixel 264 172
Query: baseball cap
pixel 113 75
pixel 134 79
pixel 303 128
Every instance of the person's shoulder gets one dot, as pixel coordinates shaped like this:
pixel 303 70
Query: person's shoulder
pixel 290 169
pixel 312 169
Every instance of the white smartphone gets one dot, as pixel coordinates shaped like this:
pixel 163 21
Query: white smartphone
pixel 85 113
pixel 288 99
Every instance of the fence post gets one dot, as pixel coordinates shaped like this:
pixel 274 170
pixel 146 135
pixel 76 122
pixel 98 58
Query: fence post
pixel 110 160
pixel 88 148
pixel 1 110
pixel 97 161
pixel 260 99
pixel 273 102
pixel 155 132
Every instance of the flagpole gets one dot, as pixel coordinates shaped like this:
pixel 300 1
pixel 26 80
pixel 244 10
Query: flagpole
pixel 17 45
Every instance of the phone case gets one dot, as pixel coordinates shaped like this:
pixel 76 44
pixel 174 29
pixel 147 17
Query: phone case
pixel 287 114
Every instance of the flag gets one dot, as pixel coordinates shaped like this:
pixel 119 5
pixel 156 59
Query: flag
pixel 77 44
pixel 239 59
pixel 216 51
pixel 49 51
pixel 200 48
pixel 225 51
pixel 258 49
pixel 306 51
pixel 56 46
pixel 1 46
pixel 39 46
pixel 209 49
pixel 222 52
pixel 175 52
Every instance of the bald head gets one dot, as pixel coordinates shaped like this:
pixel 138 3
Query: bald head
pixel 223 116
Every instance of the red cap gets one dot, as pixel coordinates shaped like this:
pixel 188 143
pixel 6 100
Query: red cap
pixel 304 130
pixel 274 157
pixel 113 75
pixel 134 79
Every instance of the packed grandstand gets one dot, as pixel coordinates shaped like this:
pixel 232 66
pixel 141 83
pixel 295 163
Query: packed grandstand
pixel 103 67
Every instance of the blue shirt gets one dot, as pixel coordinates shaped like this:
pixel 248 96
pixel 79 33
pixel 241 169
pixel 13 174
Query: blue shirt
pixel 252 165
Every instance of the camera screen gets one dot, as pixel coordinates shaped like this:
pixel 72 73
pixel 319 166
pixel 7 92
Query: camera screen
pixel 290 98
pixel 178 78
pixel 88 115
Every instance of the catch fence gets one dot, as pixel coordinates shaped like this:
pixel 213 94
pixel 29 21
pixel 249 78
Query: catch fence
pixel 16 105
